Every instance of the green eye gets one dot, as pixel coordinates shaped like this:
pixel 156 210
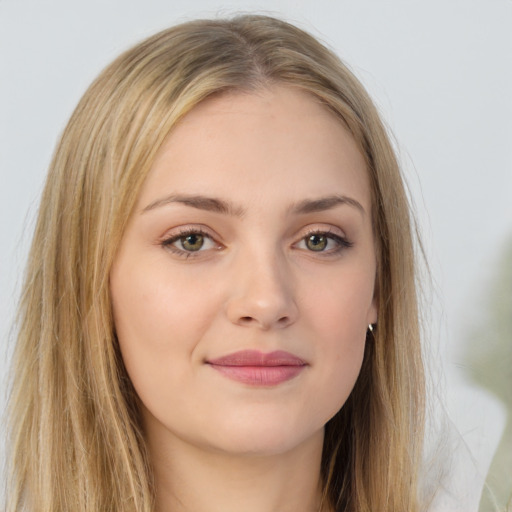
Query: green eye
pixel 193 242
pixel 190 243
pixel 316 242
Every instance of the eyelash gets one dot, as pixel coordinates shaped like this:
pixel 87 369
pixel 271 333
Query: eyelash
pixel 168 243
pixel 342 242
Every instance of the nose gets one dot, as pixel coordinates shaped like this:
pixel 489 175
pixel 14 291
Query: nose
pixel 261 295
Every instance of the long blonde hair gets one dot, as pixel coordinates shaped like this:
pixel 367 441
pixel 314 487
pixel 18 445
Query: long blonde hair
pixel 76 441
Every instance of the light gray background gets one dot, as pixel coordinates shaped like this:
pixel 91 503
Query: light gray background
pixel 439 70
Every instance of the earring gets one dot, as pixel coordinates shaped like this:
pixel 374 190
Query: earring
pixel 370 327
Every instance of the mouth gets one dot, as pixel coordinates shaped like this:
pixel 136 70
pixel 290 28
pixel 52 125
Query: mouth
pixel 257 368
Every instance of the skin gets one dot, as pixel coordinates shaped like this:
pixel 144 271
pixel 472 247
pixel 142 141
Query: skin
pixel 255 283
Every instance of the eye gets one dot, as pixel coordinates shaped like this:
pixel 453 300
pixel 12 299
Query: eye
pixel 317 242
pixel 324 242
pixel 188 242
pixel 193 242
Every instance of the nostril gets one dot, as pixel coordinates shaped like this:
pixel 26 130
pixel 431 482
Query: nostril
pixel 248 320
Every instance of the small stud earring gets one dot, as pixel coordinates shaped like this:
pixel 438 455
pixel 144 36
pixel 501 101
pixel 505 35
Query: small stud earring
pixel 370 327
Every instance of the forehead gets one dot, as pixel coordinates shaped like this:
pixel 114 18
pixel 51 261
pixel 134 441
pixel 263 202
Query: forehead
pixel 279 142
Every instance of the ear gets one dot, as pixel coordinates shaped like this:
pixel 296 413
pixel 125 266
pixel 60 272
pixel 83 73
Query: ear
pixel 373 311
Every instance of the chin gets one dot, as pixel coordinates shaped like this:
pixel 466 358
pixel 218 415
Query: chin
pixel 264 438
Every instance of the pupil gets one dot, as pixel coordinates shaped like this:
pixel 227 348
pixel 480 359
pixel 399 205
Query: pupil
pixel 192 242
pixel 317 242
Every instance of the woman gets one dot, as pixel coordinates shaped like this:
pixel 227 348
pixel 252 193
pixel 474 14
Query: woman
pixel 220 309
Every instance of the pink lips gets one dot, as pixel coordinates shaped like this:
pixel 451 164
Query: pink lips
pixel 257 368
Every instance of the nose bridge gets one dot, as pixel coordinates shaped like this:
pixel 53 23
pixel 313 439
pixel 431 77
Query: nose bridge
pixel 262 291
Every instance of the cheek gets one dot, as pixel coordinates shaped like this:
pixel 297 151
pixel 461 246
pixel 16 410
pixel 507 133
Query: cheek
pixel 338 324
pixel 159 321
pixel 340 307
pixel 153 308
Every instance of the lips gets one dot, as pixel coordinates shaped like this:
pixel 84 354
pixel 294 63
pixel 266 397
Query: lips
pixel 257 368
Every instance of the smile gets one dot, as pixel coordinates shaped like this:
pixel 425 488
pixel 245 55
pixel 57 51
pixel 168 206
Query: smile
pixel 257 368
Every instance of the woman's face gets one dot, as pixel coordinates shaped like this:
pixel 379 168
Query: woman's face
pixel 244 284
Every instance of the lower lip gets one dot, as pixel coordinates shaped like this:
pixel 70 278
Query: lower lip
pixel 259 375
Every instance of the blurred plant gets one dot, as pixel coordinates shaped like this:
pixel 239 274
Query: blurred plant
pixel 489 364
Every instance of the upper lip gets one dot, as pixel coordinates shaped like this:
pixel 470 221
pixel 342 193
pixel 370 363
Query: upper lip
pixel 257 358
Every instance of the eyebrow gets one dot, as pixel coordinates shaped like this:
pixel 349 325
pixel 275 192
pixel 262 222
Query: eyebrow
pixel 216 205
pixel 326 203
pixel 210 204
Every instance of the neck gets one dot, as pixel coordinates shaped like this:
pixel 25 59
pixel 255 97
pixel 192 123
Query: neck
pixel 188 479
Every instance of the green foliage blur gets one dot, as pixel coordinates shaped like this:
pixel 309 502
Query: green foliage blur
pixel 489 364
